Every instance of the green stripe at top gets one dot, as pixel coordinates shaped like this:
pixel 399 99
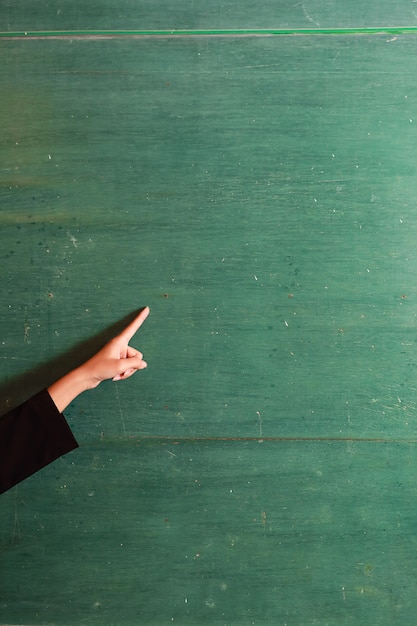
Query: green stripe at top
pixel 393 30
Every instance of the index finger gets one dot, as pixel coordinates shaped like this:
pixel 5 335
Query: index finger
pixel 134 326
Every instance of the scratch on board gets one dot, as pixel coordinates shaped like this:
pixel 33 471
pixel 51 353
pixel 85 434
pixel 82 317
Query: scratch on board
pixel 310 19
pixel 16 524
pixel 121 412
pixel 16 534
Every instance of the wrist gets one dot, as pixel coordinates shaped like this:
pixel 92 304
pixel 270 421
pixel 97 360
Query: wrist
pixel 67 388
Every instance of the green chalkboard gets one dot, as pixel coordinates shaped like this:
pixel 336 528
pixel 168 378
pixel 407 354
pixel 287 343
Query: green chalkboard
pixel 18 15
pixel 258 194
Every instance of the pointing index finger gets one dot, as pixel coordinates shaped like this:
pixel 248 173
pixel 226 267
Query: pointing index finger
pixel 134 326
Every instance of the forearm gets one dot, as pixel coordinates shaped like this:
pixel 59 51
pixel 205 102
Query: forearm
pixel 67 388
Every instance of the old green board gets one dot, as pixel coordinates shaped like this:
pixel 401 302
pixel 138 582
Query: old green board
pixel 259 194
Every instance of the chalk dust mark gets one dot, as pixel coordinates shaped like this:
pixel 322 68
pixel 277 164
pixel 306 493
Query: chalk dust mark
pixel 260 423
pixel 72 240
pixel 26 328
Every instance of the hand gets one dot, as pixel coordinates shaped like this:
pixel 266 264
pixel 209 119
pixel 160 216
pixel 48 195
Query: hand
pixel 117 360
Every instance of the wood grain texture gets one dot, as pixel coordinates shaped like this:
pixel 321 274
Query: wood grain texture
pixel 258 195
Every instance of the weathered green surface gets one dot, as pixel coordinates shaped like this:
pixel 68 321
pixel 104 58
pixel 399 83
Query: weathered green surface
pixel 259 195
pixel 215 533
pixel 206 14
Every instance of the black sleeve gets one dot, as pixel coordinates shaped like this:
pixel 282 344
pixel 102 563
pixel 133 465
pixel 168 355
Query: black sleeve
pixel 32 436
